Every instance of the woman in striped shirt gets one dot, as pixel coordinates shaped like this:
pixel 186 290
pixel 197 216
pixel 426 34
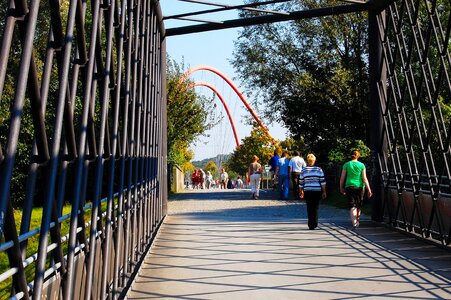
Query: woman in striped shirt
pixel 312 188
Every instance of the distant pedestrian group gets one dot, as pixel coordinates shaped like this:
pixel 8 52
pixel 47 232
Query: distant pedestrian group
pixel 200 179
pixel 205 180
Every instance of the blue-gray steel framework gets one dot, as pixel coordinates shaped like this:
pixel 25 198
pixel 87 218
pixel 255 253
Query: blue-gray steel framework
pixel 413 95
pixel 94 91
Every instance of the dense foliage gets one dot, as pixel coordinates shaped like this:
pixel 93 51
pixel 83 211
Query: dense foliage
pixel 211 166
pixel 312 74
pixel 187 114
pixel 258 144
pixel 7 94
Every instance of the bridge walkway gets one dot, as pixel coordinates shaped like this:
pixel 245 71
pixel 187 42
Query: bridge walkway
pixel 221 245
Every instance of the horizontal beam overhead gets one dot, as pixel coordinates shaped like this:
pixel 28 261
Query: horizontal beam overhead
pixel 297 15
pixel 224 7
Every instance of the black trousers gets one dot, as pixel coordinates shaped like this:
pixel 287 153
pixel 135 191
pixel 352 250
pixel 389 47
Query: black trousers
pixel 312 199
pixel 295 181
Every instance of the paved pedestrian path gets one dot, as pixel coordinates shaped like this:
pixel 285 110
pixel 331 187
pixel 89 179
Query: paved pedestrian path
pixel 222 245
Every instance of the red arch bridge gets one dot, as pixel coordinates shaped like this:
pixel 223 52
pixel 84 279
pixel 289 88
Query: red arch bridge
pixel 224 103
pixel 83 189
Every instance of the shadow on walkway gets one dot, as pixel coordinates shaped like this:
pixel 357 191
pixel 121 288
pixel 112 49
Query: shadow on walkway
pixel 247 253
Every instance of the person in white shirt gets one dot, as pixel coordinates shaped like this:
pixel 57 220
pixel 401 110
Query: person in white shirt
pixel 239 183
pixel 202 179
pixel 224 179
pixel 295 167
pixel 208 180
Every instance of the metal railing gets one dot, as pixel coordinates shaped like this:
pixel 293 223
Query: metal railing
pixel 82 145
pixel 414 92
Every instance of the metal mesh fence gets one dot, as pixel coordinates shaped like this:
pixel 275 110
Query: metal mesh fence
pixel 415 102
pixel 82 144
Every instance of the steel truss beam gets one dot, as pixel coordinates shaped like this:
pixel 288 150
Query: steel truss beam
pixel 297 15
pixel 224 7
pixel 413 91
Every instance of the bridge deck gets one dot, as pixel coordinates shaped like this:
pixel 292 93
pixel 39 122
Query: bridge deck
pixel 219 246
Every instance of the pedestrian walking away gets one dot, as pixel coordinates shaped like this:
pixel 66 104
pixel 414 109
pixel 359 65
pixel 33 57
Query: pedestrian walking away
pixel 255 175
pixel 282 176
pixel 353 182
pixel 195 178
pixel 239 183
pixel 224 177
pixel 202 179
pixel 295 166
pixel 312 188
pixel 209 180
pixel 272 171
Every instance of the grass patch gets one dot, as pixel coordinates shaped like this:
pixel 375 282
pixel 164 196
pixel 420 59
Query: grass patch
pixel 33 243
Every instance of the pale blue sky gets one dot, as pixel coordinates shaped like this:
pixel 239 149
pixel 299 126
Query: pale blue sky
pixel 212 48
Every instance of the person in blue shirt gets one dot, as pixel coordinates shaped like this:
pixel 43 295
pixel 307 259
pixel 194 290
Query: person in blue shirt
pixel 273 164
pixel 282 176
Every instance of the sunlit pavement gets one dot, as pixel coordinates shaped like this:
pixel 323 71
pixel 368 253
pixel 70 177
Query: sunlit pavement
pixel 222 245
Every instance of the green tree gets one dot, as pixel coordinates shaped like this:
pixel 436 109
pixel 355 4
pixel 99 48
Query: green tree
pixel 211 166
pixel 187 114
pixel 342 151
pixel 312 75
pixel 258 144
pixel 291 145
pixel 188 167
pixel 26 134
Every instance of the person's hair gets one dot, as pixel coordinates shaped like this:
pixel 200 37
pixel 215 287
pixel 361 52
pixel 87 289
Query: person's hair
pixel 355 154
pixel 311 158
pixel 277 152
pixel 285 152
pixel 296 153
pixel 255 158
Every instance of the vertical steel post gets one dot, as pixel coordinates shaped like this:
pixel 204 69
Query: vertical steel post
pixel 162 54
pixel 377 74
